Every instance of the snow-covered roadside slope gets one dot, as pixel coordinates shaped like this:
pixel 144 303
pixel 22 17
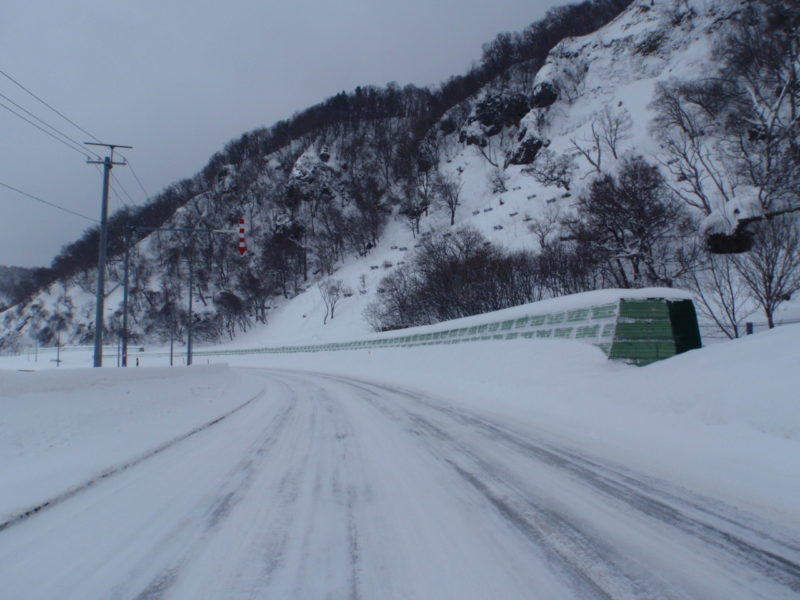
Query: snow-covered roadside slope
pixel 62 428
pixel 723 420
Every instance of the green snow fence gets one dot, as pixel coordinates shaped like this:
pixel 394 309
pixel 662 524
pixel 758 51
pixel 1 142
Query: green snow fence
pixel 636 331
pixel 651 330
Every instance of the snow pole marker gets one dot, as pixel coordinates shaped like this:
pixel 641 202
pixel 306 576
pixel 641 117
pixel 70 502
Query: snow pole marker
pixel 242 245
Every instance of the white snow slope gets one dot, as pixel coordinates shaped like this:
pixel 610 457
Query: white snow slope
pixel 532 469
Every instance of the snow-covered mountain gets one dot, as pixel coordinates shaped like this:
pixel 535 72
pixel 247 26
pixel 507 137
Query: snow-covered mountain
pixel 351 198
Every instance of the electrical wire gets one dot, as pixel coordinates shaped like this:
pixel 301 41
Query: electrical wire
pixel 78 147
pixel 122 187
pixel 135 176
pixel 63 116
pixel 43 130
pixel 113 188
pixel 115 191
pixel 51 204
pixel 46 124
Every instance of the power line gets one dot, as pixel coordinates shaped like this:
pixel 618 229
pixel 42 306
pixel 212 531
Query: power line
pixel 122 187
pixel 63 116
pixel 117 195
pixel 45 123
pixel 43 130
pixel 124 191
pixel 51 204
pixel 74 124
pixel 113 188
pixel 135 176
pixel 83 149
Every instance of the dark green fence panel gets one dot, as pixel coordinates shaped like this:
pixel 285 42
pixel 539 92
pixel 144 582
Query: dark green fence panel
pixel 654 329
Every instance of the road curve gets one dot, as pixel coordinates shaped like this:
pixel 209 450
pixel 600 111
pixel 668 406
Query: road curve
pixel 332 487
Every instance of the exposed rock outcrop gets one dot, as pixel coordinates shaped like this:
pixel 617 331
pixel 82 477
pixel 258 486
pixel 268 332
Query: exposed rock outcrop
pixel 544 94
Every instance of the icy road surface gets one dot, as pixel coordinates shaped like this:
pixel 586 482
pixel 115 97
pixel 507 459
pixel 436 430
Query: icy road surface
pixel 331 487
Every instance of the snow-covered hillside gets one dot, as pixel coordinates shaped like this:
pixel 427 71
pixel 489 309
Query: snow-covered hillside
pixel 327 206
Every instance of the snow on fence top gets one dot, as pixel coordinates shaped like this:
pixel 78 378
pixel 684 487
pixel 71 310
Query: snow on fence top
pixel 636 326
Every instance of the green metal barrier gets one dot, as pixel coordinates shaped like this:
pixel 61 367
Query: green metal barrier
pixel 631 330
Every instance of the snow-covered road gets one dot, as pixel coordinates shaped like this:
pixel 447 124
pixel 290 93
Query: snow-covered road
pixel 325 486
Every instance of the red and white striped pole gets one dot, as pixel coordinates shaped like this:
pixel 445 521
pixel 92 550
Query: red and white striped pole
pixel 242 246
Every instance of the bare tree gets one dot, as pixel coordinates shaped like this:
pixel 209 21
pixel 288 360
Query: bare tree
pixel 570 80
pixel 331 292
pixel 761 79
pixel 634 225
pixel 615 127
pixel 772 268
pixel 608 130
pixel 740 128
pixel 545 226
pixel 569 267
pixel 231 311
pixel 552 169
pixel 448 190
pixel 722 294
pixel 690 139
pixel 498 179
pixel 413 210
pixel 591 149
pixel 454 276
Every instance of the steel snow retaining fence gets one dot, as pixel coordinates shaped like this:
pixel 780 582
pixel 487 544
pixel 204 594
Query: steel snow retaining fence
pixel 637 331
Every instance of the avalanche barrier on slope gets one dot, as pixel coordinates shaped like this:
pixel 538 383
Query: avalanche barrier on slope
pixel 634 326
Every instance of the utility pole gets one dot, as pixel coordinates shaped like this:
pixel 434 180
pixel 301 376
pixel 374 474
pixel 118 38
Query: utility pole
pixel 191 316
pixel 125 296
pixel 108 163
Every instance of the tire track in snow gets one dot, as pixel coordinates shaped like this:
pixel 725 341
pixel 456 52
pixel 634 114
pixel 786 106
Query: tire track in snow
pixel 287 506
pixel 328 467
pixel 760 549
pixel 587 566
pixel 636 493
pixel 231 491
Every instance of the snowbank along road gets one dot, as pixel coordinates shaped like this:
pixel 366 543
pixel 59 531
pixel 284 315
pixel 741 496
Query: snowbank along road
pixel 326 486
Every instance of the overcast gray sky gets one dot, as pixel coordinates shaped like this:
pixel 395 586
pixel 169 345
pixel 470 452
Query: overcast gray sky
pixel 177 79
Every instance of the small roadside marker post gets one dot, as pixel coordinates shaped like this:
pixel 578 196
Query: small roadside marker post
pixel 242 246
